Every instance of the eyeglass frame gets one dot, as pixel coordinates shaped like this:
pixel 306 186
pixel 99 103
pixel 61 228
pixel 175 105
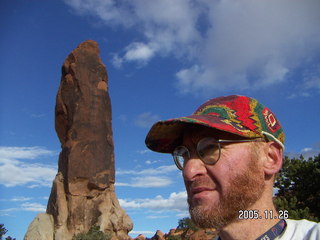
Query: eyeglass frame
pixel 218 141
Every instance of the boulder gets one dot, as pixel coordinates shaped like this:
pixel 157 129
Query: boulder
pixel 140 237
pixel 42 227
pixel 158 236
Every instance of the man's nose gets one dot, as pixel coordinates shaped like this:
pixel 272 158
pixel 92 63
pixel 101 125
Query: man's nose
pixel 194 167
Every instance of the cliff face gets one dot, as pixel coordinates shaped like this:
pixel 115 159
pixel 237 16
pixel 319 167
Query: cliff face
pixel 83 194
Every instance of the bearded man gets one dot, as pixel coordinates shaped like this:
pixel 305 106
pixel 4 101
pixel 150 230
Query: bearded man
pixel 230 151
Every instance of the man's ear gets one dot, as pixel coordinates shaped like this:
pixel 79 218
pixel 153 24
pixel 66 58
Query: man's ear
pixel 274 158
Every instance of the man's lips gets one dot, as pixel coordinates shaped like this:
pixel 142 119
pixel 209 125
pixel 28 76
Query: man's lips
pixel 199 186
pixel 197 190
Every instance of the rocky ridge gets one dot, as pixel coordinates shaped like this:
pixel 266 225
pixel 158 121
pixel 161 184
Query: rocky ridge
pixel 182 234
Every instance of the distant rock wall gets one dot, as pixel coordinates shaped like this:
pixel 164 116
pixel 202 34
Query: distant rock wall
pixel 83 194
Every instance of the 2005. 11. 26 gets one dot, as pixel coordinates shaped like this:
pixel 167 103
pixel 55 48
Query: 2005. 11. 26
pixel 267 214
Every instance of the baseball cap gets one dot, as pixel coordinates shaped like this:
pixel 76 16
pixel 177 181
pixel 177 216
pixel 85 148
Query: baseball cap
pixel 239 115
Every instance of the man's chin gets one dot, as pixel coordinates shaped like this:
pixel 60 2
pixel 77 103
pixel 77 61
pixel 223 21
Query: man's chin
pixel 201 206
pixel 204 199
pixel 207 217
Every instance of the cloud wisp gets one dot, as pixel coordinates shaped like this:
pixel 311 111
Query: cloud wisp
pixel 16 169
pixel 162 170
pixel 175 202
pixel 27 206
pixel 223 44
pixel 146 119
pixel 145 232
pixel 147 178
pixel 147 182
pixel 16 199
pixel 307 152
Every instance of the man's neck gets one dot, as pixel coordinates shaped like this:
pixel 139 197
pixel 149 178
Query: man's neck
pixel 251 223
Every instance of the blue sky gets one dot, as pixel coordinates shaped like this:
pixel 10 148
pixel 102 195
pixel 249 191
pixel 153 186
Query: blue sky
pixel 164 59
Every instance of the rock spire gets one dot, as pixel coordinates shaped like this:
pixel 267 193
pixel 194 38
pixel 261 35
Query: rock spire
pixel 83 194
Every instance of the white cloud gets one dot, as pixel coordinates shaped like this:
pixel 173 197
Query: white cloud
pixel 15 172
pixel 23 152
pixel 149 162
pixel 20 199
pixel 147 182
pixel 142 232
pixel 145 120
pixel 143 151
pixel 108 11
pixel 310 152
pixel 33 207
pixel 7 211
pixel 308 149
pixel 164 25
pixel 307 152
pixel 149 171
pixel 16 199
pixel 151 177
pixel 175 202
pixel 199 79
pixel 28 207
pixel 253 44
pixel 117 63
pixel 138 51
pixel 134 52
pixel 228 44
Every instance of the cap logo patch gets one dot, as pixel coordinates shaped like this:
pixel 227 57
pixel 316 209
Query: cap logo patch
pixel 270 120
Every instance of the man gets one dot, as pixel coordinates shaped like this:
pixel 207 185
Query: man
pixel 230 150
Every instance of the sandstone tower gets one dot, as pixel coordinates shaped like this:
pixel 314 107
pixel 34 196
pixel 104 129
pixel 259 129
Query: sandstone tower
pixel 83 194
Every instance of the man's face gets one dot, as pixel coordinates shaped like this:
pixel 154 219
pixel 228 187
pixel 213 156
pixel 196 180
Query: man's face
pixel 217 192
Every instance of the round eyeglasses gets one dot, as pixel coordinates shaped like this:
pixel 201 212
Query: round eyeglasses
pixel 208 150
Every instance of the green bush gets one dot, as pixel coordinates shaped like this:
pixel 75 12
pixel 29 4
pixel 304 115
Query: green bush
pixel 93 234
pixel 186 223
pixel 298 185
pixel 3 231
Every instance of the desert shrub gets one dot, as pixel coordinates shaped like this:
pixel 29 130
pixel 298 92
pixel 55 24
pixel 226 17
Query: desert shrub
pixel 187 223
pixel 174 238
pixel 93 234
pixel 3 231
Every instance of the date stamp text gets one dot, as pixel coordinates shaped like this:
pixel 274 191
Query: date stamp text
pixel 266 214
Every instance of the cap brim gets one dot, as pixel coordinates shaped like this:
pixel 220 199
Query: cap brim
pixel 164 136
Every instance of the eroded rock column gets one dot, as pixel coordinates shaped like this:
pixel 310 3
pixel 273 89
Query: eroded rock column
pixel 83 190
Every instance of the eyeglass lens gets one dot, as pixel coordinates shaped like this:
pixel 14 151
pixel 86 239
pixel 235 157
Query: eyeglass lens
pixel 181 154
pixel 208 150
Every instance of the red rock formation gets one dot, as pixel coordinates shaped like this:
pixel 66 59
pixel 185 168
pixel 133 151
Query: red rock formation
pixel 199 234
pixel 158 236
pixel 83 121
pixel 83 190
pixel 140 237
